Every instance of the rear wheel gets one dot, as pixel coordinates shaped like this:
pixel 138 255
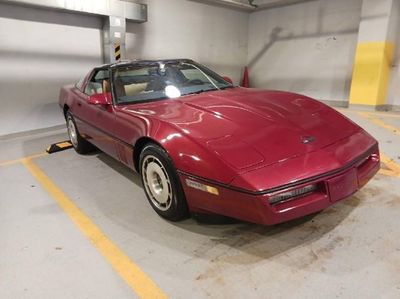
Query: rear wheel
pixel 79 143
pixel 161 184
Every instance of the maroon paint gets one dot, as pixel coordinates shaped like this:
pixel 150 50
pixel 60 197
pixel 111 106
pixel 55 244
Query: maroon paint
pixel 241 141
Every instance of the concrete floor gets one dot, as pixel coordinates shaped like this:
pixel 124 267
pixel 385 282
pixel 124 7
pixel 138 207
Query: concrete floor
pixel 351 250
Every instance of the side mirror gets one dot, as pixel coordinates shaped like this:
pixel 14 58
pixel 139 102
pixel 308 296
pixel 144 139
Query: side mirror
pixel 227 79
pixel 102 99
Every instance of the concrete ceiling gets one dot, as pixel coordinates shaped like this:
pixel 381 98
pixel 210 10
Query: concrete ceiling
pixel 257 4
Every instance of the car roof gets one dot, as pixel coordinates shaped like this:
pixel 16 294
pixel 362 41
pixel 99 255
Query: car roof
pixel 142 62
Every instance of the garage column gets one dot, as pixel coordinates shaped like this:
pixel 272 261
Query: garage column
pixel 374 54
pixel 114 30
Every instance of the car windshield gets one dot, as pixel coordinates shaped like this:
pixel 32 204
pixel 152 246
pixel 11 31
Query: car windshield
pixel 136 83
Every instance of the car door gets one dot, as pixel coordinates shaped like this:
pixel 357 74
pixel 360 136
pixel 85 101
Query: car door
pixel 128 126
pixel 96 122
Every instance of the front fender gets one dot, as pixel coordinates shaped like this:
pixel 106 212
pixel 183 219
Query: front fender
pixel 192 157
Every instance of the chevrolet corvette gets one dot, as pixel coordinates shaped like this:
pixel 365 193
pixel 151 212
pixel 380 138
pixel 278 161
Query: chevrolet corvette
pixel 204 145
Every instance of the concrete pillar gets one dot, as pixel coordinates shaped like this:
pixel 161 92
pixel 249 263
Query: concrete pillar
pixel 374 54
pixel 114 30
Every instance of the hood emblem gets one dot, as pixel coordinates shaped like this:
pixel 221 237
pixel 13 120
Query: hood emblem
pixel 307 139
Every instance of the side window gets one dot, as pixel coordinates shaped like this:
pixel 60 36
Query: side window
pixel 79 84
pixel 98 83
pixel 195 76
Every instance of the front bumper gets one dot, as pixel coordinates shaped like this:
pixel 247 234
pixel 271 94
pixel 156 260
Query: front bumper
pixel 254 207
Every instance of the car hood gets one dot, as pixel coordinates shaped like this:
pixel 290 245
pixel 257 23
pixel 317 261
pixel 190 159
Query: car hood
pixel 250 128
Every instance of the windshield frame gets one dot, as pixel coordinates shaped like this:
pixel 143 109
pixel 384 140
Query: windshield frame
pixel 151 63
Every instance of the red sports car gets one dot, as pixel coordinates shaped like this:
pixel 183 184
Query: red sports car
pixel 203 145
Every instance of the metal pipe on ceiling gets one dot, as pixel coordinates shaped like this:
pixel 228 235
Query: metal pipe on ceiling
pixel 131 11
pixel 250 6
pixel 114 28
pixel 266 4
pixel 235 4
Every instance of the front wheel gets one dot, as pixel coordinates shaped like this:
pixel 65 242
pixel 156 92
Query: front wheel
pixel 79 143
pixel 161 184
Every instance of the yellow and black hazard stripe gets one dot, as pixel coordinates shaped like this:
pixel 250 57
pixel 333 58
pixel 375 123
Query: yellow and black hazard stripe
pixel 117 52
pixel 59 146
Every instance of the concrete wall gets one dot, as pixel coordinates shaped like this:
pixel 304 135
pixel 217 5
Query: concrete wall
pixel 214 36
pixel 307 48
pixel 42 50
pixel 39 52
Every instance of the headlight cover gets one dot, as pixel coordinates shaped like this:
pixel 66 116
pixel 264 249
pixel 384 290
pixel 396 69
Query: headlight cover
pixel 284 196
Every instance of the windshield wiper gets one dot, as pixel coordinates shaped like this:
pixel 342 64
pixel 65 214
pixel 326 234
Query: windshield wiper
pixel 202 90
pixel 128 102
pixel 226 87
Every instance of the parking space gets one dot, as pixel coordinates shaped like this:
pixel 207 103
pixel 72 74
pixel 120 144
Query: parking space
pixel 83 224
pixel 42 250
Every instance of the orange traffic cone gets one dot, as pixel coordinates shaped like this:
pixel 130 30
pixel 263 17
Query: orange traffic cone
pixel 245 80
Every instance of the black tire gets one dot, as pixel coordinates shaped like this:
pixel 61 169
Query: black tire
pixel 80 144
pixel 159 177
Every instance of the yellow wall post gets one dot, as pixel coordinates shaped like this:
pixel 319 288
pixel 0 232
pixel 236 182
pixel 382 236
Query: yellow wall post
pixel 371 73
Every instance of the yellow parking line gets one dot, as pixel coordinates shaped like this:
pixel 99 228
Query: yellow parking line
pixel 385 114
pixel 11 162
pixel 391 164
pixel 388 114
pixel 128 270
pixel 380 123
pixel 386 172
pixel 394 168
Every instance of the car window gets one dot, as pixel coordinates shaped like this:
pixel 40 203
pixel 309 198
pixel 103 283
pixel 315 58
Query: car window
pixel 79 84
pixel 135 83
pixel 195 76
pixel 98 82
